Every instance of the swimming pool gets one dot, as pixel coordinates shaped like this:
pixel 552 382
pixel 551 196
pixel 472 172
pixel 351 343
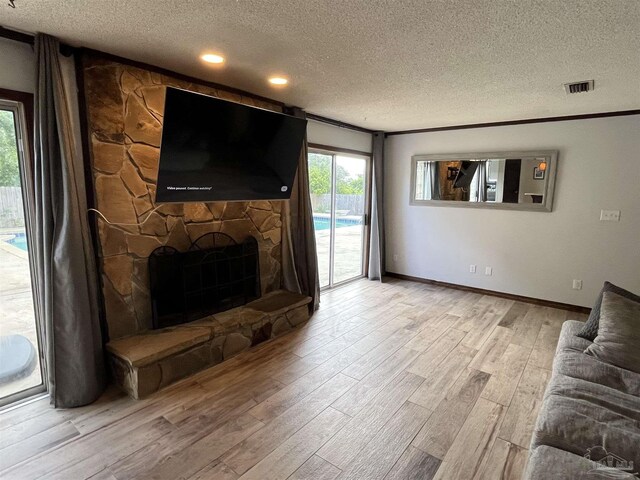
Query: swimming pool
pixel 324 222
pixel 19 240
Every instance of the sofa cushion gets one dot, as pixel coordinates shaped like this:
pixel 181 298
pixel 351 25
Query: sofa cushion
pixel 583 366
pixel 577 415
pixel 590 329
pixel 618 340
pixel 549 463
pixel 569 341
pixel 570 360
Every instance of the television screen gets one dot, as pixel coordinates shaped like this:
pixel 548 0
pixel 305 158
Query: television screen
pixel 216 150
pixel 465 174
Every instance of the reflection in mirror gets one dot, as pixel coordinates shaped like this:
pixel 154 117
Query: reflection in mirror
pixel 521 180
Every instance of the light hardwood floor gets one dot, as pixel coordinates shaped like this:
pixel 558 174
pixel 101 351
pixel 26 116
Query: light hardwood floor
pixel 398 380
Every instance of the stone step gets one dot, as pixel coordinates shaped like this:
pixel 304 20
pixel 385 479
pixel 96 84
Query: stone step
pixel 143 364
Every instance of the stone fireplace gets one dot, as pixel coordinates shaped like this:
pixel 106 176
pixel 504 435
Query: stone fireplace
pixel 124 106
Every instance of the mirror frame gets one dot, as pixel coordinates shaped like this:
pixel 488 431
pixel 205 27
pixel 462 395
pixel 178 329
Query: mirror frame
pixel 545 206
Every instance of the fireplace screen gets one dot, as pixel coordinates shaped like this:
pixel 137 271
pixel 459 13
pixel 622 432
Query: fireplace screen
pixel 216 274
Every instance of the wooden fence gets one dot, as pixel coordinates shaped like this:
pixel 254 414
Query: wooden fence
pixel 346 204
pixel 11 210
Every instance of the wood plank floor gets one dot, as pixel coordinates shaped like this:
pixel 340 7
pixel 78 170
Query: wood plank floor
pixel 398 380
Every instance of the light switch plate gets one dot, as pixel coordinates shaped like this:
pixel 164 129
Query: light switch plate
pixel 609 215
pixel 488 271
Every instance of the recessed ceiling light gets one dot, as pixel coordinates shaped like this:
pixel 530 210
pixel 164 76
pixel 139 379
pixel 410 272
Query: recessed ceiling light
pixel 212 58
pixel 278 81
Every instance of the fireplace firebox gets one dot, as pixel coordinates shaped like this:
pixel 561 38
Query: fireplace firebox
pixel 214 275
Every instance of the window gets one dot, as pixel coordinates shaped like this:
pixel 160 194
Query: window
pixel 339 187
pixel 20 365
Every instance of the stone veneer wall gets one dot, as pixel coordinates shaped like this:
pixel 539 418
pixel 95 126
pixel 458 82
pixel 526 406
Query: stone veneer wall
pixel 125 107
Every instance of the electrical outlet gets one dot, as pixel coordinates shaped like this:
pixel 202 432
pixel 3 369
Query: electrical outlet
pixel 472 269
pixel 609 215
pixel 488 271
pixel 577 284
pixel 395 257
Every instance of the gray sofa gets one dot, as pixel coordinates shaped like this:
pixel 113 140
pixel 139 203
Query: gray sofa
pixel 590 413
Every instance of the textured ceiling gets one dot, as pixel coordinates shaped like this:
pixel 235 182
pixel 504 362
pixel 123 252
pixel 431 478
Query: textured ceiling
pixel 381 64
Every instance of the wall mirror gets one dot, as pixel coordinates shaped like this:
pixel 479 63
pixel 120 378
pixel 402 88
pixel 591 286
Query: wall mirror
pixel 505 180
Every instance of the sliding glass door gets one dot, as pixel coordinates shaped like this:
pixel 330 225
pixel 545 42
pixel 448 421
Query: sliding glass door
pixel 20 370
pixel 339 186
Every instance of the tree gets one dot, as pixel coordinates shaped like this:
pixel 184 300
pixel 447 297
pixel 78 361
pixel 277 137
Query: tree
pixel 319 174
pixel 320 177
pixel 347 185
pixel 9 171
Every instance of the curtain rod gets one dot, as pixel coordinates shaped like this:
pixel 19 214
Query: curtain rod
pixel 338 123
pixel 29 39
pixel 16 36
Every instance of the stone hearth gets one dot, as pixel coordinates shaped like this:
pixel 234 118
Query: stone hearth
pixel 143 364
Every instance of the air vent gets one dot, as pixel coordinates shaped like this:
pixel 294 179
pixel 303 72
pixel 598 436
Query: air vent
pixel 578 87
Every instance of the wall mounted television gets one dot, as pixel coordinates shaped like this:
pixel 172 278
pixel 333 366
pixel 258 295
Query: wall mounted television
pixel 215 150
pixel 465 174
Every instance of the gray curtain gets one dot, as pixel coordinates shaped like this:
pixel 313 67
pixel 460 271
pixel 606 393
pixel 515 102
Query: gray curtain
pixel 65 275
pixel 482 181
pixel 376 244
pixel 299 257
pixel 435 180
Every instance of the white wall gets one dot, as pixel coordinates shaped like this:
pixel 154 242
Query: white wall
pixel 533 254
pixel 17 68
pixel 325 134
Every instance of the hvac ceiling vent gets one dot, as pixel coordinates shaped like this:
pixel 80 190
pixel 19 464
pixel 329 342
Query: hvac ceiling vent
pixel 578 87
